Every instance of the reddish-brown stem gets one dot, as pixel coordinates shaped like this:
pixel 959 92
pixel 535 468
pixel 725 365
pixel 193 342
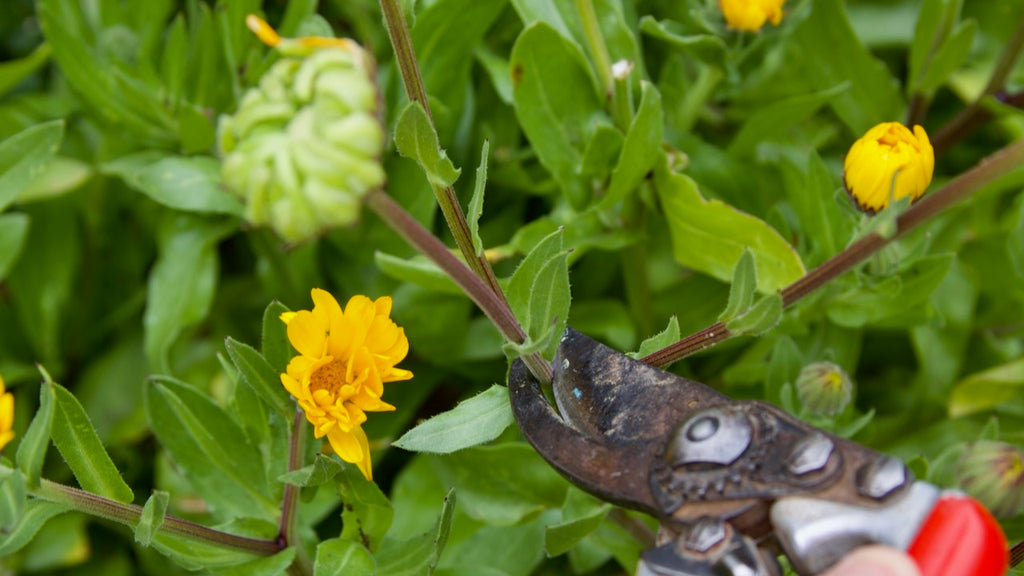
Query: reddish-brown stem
pixel 287 533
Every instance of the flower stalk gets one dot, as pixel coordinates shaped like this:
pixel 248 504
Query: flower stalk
pixel 987 171
pixel 288 532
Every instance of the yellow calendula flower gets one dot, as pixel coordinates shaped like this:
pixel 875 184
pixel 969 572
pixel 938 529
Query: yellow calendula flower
pixel 6 415
pixel 345 357
pixel 751 14
pixel 888 161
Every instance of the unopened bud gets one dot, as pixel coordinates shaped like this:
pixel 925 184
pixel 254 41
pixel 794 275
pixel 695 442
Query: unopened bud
pixel 304 147
pixel 993 472
pixel 824 388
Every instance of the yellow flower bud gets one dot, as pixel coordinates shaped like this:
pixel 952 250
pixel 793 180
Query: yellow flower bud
pixel 6 415
pixel 751 14
pixel 889 161
pixel 824 388
pixel 993 472
pixel 304 146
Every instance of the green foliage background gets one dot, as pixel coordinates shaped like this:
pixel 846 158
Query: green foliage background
pixel 124 266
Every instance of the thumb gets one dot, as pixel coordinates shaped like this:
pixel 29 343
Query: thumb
pixel 875 561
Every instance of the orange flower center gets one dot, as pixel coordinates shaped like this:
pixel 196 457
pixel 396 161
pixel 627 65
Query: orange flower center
pixel 329 377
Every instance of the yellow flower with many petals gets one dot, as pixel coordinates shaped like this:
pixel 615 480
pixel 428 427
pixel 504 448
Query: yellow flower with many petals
pixel 345 357
pixel 6 415
pixel 751 14
pixel 889 161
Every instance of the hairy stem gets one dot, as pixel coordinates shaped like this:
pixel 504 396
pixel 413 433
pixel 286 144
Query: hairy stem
pixel 288 533
pixel 987 171
pixel 973 115
pixel 129 514
pixel 405 55
pixel 486 299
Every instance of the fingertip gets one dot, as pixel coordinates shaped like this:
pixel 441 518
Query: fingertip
pixel 875 561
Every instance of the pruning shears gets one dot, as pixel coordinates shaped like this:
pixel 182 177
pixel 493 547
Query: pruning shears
pixel 733 483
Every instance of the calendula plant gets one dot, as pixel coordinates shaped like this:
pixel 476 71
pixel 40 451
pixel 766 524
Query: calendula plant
pixel 828 191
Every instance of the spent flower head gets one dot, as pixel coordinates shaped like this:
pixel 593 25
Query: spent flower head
pixel 751 15
pixel 345 357
pixel 993 472
pixel 889 161
pixel 304 146
pixel 6 415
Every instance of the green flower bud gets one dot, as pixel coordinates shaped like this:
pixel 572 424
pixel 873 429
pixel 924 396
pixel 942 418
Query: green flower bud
pixel 993 472
pixel 824 388
pixel 304 146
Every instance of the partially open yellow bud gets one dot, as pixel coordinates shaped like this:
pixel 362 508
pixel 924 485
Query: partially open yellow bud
pixel 889 161
pixel 751 14
pixel 993 472
pixel 304 147
pixel 824 388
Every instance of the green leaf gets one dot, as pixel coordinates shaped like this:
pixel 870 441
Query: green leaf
pixel 321 471
pixel 835 54
pixel 710 235
pixel 891 300
pixel 520 286
pixel 342 557
pixel 152 517
pixel 197 135
pixel 193 555
pixel 550 297
pixel 276 348
pixel 581 515
pixel 62 175
pixel 13 496
pixel 783 368
pixel 477 420
pixel 182 283
pixel 640 148
pixel 670 335
pixel 368 513
pixel 34 516
pixel 706 47
pixel 419 554
pixel 76 439
pixel 13 232
pixel 741 291
pixel 812 192
pixel 983 390
pixel 267 566
pixel 188 184
pixel 416 138
pixel 773 120
pixel 602 152
pixel 32 450
pixel 13 72
pixel 557 102
pixel 419 270
pixel 500 550
pixel 24 156
pixel 258 374
pixel 951 56
pixel 928 36
pixel 764 315
pixel 1014 244
pixel 210 448
pixel 476 203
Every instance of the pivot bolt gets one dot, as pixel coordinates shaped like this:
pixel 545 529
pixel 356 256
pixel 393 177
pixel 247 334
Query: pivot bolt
pixel 705 534
pixel 810 454
pixel 882 477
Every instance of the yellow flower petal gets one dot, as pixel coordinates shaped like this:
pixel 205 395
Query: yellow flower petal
pixel 6 415
pixel 751 15
pixel 888 161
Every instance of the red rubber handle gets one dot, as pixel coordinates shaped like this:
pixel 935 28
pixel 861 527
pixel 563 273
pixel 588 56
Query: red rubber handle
pixel 960 538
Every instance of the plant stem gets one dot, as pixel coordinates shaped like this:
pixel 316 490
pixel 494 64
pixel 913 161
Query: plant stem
pixel 987 171
pixel 971 117
pixel 486 299
pixel 596 45
pixel 405 55
pixel 129 514
pixel 697 96
pixel 287 533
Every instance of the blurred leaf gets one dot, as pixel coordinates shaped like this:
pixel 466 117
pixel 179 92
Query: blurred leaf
pixel 13 72
pixel 419 270
pixel 24 156
pixel 670 335
pixel 951 56
pixel 342 557
pixel 194 555
pixel 182 283
pixel 764 315
pixel 276 348
pixel 75 438
pixel 257 373
pixel 34 516
pixel 419 554
pixel 477 420
pixel 60 543
pixel 210 448
pixel 62 175
pixel 640 148
pixel 706 47
pixel 32 449
pixel 13 232
pixel 197 135
pixel 710 235
pixel 834 55
pixel 499 550
pixel 772 121
pixel 581 515
pixel 13 496
pixel 189 184
pixel 367 513
pixel 742 288
pixel 267 566
pixel 602 152
pixel 321 471
pixel 929 32
pixel 152 517
pixel 983 390
pixel 783 368
pixel 862 305
pixel 556 101
pixel 1014 244
pixel 476 203
pixel 811 190
pixel 415 138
